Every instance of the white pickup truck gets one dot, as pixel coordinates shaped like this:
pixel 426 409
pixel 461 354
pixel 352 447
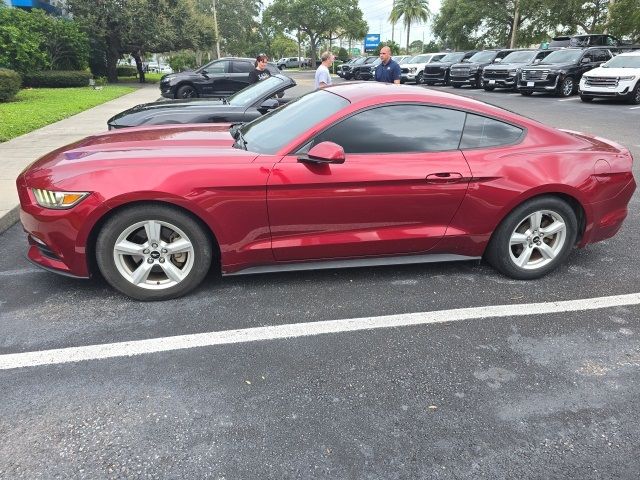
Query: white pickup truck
pixel 618 78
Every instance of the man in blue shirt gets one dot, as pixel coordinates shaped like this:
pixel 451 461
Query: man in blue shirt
pixel 388 71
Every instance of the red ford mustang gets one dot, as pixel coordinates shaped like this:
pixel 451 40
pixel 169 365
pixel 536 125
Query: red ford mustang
pixel 360 174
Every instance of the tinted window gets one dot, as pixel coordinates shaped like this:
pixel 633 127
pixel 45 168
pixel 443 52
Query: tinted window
pixel 217 67
pixel 242 67
pixel 487 132
pixel 272 131
pixel 397 128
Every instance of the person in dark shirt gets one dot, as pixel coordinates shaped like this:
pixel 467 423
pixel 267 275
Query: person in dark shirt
pixel 388 71
pixel 260 72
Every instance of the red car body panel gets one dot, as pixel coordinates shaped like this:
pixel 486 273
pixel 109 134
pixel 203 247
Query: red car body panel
pixel 266 209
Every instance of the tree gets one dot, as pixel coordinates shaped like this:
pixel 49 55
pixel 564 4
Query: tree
pixel 139 26
pixel 416 46
pixel 624 19
pixel 411 11
pixel 393 46
pixel 318 21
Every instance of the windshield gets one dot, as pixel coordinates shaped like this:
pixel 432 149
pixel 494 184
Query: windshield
pixel 452 57
pixel 420 59
pixel 253 92
pixel 360 60
pixel 272 131
pixel 520 57
pixel 483 57
pixel 626 61
pixel 563 56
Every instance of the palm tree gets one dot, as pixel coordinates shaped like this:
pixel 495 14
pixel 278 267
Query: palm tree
pixel 412 11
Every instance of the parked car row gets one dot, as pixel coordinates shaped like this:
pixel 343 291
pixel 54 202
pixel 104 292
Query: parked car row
pixel 590 71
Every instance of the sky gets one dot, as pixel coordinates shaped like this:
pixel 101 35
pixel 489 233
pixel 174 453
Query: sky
pixel 376 14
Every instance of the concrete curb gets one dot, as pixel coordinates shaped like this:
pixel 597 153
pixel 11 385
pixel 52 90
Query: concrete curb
pixel 8 219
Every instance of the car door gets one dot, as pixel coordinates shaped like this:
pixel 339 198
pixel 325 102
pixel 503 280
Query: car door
pixel 396 192
pixel 239 75
pixel 216 79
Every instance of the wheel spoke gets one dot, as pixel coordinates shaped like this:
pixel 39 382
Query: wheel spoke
pixel 152 228
pixel 173 272
pixel 141 273
pixel 524 257
pixel 518 239
pixel 125 247
pixel 556 227
pixel 546 251
pixel 179 246
pixel 535 220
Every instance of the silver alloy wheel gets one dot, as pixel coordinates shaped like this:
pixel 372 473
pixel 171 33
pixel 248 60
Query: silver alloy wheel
pixel 567 86
pixel 153 254
pixel 537 240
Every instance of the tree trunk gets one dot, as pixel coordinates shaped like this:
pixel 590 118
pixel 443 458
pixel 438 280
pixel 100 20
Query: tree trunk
pixel 514 28
pixel 138 58
pixel 408 30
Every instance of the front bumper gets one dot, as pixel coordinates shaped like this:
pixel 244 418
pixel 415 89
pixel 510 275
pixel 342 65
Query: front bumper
pixel 470 79
pixel 548 85
pixel 439 77
pixel 499 82
pixel 620 89
pixel 166 90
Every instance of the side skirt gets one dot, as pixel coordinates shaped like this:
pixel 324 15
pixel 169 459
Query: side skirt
pixel 352 263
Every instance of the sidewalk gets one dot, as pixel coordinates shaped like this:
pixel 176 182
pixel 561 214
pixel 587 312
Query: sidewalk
pixel 16 154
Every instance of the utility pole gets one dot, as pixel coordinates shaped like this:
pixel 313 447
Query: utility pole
pixel 215 28
pixel 393 24
pixel 514 28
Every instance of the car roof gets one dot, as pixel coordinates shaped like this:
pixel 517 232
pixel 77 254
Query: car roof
pixel 357 92
pixel 633 53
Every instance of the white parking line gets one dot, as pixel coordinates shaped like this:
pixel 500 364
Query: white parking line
pixel 569 99
pixel 166 344
pixel 634 108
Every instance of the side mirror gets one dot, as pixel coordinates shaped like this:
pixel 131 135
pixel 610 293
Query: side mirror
pixel 537 60
pixel 585 60
pixel 498 60
pixel 269 104
pixel 325 152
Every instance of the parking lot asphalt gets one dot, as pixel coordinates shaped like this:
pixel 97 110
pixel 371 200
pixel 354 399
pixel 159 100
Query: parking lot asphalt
pixel 551 395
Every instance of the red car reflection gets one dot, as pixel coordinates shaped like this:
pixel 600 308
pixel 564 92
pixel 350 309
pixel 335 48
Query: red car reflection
pixel 359 174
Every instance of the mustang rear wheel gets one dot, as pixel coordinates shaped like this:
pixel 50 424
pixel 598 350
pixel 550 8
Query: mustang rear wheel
pixel 153 252
pixel 533 239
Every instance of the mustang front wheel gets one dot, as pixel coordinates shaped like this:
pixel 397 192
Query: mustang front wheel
pixel 153 252
pixel 534 239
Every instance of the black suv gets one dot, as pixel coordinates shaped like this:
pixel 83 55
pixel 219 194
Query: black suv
pixel 438 72
pixel 220 78
pixel 560 72
pixel 469 71
pixel 505 74
pixel 345 67
pixel 361 71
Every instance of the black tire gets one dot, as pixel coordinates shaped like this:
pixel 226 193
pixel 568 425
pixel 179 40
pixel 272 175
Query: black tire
pixel 566 87
pixel 456 85
pixel 634 96
pixel 281 67
pixel 419 78
pixel 502 253
pixel 447 80
pixel 429 84
pixel 147 275
pixel 186 91
pixel 357 76
pixel 489 89
pixel 586 99
pixel 526 93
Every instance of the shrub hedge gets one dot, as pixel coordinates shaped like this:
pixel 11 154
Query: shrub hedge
pixel 9 84
pixel 57 78
pixel 126 71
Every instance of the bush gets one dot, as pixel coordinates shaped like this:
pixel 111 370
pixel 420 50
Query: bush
pixel 127 71
pixel 183 61
pixel 9 84
pixel 57 79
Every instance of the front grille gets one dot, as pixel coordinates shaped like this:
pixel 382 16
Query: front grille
pixel 404 70
pixel 535 74
pixel 601 82
pixel 433 70
pixel 495 73
pixel 460 72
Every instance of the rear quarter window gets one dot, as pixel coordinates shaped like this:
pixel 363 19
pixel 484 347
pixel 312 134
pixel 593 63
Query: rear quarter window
pixel 482 132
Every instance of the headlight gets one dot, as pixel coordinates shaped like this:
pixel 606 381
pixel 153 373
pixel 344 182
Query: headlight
pixel 473 68
pixel 57 200
pixel 513 72
pixel 627 78
pixel 412 70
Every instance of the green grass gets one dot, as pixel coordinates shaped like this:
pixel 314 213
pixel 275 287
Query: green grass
pixel 37 107
pixel 148 77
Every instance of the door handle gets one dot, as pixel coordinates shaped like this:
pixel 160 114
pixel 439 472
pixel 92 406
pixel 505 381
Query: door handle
pixel 444 177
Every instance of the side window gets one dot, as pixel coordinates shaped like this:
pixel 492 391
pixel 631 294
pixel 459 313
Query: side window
pixel 487 132
pixel 241 67
pixel 397 128
pixel 611 41
pixel 542 54
pixel 218 67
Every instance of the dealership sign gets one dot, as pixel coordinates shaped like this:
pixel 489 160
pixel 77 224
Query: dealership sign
pixel 371 41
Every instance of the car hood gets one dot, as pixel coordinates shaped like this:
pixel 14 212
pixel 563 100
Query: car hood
pixel 441 64
pixel 508 66
pixel 612 72
pixel 148 110
pixel 551 66
pixel 147 145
